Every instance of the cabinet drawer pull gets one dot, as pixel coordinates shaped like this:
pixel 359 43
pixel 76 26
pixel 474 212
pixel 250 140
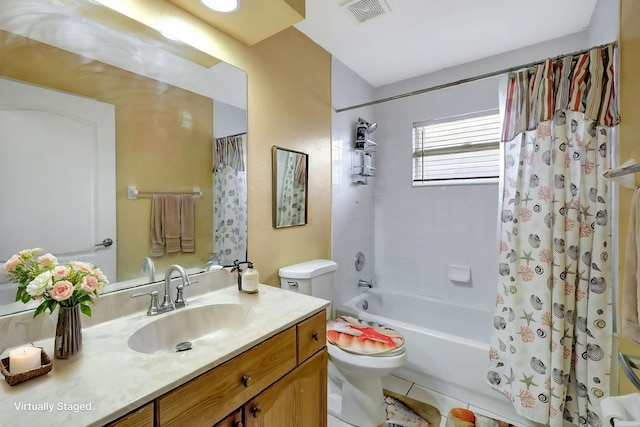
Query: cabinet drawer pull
pixel 315 336
pixel 237 424
pixel 255 411
pixel 246 380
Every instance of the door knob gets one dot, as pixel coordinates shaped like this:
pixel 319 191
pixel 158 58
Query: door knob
pixel 106 243
pixel 255 410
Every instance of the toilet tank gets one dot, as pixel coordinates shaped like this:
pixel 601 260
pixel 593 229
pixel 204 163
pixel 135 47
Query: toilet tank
pixel 313 278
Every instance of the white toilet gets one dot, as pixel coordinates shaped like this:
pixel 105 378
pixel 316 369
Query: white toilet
pixel 355 380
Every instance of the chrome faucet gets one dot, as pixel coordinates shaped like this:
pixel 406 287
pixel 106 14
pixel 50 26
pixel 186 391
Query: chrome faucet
pixel 168 304
pixel 147 265
pixel 153 306
pixel 365 283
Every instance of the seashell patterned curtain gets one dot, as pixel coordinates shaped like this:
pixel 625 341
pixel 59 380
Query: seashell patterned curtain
pixel 230 199
pixel 291 210
pixel 552 331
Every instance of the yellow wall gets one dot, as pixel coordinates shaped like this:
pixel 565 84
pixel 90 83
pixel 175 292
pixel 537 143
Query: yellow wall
pixel 629 136
pixel 289 106
pixel 148 125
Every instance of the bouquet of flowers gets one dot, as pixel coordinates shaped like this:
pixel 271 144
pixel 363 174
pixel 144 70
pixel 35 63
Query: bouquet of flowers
pixel 43 279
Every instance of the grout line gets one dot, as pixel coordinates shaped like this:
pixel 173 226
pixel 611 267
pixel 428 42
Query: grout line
pixel 409 391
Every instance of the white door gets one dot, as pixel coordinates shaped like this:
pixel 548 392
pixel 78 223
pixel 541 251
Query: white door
pixel 57 175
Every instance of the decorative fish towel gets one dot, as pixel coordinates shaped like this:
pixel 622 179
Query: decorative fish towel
pixel 359 337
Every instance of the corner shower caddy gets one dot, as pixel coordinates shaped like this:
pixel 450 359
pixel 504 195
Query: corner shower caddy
pixel 363 155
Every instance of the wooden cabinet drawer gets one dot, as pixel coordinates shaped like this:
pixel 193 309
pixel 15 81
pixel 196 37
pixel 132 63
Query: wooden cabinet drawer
pixel 311 335
pixel 141 417
pixel 206 399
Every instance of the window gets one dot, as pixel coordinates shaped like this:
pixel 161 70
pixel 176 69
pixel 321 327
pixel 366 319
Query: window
pixel 457 148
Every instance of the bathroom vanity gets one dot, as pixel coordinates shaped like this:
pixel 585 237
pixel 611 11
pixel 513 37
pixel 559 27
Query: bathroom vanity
pixel 271 371
pixel 282 380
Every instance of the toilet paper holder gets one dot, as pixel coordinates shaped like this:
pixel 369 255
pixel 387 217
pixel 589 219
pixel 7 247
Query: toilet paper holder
pixel 629 364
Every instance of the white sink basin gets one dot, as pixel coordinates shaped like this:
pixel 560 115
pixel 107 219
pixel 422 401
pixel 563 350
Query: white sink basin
pixel 191 325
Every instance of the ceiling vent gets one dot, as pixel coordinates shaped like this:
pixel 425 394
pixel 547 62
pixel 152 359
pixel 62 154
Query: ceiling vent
pixel 364 10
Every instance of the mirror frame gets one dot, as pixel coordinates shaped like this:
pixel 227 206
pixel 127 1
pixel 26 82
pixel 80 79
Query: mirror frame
pixel 277 170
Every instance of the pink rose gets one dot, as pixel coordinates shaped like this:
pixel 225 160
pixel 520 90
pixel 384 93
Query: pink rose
pixel 82 266
pixel 11 264
pixel 60 271
pixel 61 291
pixel 47 260
pixel 100 275
pixel 90 283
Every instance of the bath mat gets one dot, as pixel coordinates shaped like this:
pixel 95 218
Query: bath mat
pixel 403 411
pixel 459 417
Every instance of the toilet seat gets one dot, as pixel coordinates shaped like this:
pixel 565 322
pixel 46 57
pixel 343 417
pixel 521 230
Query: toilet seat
pixel 388 361
pixel 364 338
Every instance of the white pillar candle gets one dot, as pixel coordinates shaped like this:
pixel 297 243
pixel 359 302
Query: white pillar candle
pixel 24 358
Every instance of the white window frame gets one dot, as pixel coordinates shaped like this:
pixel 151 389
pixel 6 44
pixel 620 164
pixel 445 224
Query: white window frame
pixel 454 181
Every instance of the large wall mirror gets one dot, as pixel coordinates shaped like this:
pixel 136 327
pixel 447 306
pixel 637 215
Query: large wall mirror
pixel 290 190
pixel 87 111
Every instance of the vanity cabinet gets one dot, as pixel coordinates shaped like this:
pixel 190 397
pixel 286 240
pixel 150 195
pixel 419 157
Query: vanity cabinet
pixel 299 399
pixel 277 381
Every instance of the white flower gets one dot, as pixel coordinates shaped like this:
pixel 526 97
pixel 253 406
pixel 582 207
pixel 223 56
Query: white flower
pixel 38 285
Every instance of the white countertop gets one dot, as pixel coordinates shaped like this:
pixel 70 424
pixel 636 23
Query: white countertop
pixel 108 379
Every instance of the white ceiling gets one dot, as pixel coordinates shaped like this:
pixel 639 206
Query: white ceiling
pixel 422 36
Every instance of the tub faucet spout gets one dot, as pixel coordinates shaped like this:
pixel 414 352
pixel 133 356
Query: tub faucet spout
pixel 148 266
pixel 365 283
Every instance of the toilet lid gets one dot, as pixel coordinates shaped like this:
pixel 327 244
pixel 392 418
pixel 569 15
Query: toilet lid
pixel 361 337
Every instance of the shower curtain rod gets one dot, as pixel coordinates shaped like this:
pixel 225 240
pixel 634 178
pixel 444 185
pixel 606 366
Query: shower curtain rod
pixel 467 80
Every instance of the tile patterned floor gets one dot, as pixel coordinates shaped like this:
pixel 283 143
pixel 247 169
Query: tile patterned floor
pixel 440 401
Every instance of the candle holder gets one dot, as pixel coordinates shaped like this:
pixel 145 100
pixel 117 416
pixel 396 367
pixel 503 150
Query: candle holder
pixel 13 379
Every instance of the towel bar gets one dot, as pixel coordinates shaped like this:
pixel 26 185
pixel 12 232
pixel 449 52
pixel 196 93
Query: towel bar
pixel 133 192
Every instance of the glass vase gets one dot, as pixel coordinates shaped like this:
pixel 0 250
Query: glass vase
pixel 68 340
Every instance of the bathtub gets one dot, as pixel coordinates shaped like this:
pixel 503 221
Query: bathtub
pixel 447 344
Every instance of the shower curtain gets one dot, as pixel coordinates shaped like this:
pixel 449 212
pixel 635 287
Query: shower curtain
pixel 552 328
pixel 292 204
pixel 230 200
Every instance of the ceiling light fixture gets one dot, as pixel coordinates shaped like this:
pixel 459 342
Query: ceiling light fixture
pixel 222 5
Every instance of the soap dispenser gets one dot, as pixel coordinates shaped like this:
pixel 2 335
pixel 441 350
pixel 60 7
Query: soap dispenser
pixel 250 280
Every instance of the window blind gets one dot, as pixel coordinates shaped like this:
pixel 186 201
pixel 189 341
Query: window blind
pixel 455 149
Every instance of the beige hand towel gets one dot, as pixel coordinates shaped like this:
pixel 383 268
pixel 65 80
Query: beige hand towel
pixel 157 241
pixel 187 224
pixel 171 225
pixel 630 292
